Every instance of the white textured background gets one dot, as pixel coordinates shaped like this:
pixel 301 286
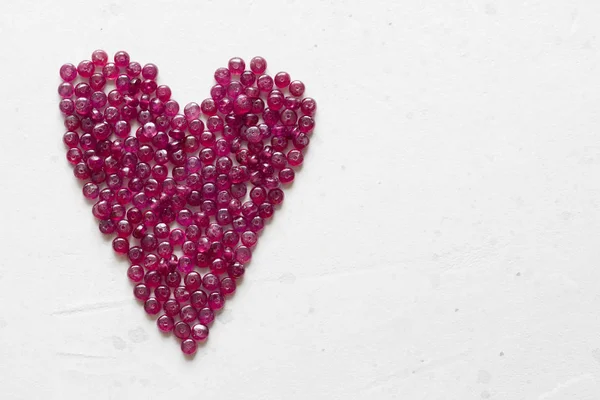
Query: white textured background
pixel 441 241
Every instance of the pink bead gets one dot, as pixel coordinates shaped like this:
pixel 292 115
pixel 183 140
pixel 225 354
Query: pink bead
pixel 188 346
pixel 191 111
pixel 206 316
pixel 152 306
pixel 171 307
pixel 65 90
pixel 182 330
pixel 247 78
pixel 295 157
pixel 258 65
pixel 188 313
pixel 141 292
pixel 286 175
pixel 282 79
pixel 216 301
pixel 199 332
pixel 228 286
pixel 308 106
pixel 150 71
pixel 162 293
pixel 120 245
pixel 135 273
pixel 236 270
pixel 86 68
pixel 306 124
pixel 99 58
pixel 90 191
pixel 249 238
pixel 110 71
pixel 121 58
pixel 68 72
pixel 97 81
pixel 165 323
pixel 133 69
pixel 242 105
pixel 236 66
pixel 296 88
pixel 265 83
pixel 222 76
pixel 243 254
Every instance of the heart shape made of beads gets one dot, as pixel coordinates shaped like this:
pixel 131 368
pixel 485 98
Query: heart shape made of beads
pixel 185 194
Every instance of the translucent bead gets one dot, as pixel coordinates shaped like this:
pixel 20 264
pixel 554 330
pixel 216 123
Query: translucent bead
pixel 206 316
pixel 282 79
pixel 150 71
pixel 222 76
pixel 121 58
pixel 258 65
pixel 68 72
pixel 86 68
pixel 188 346
pixel 199 332
pixel 165 323
pixel 265 83
pixel 141 292
pixel 99 58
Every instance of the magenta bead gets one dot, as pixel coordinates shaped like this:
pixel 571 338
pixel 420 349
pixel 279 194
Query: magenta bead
pixel 135 273
pixel 258 65
pixel 236 66
pixel 99 58
pixel 222 76
pixel 199 332
pixel 68 72
pixel 282 79
pixel 150 71
pixel 206 316
pixel 181 330
pixel 265 83
pixel 188 346
pixel 121 58
pixel 152 306
pixel 165 323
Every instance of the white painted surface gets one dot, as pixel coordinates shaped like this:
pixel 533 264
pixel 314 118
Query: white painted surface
pixel 441 241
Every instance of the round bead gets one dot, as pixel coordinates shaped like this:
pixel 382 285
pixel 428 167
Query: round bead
pixel 216 301
pixel 282 79
pixel 135 273
pixel 171 307
pixel 121 58
pixel 152 306
pixel 141 292
pixel 258 65
pixel 222 76
pixel 68 72
pixel 150 71
pixel 236 66
pixel 228 286
pixel 188 346
pixel 86 68
pixel 243 254
pixel 296 88
pixel 199 332
pixel 182 330
pixel 206 316
pixel 188 313
pixel 165 323
pixel 99 58
pixel 120 245
pixel 265 83
pixel 308 106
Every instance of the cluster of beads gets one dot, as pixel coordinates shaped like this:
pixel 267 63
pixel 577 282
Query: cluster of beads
pixel 185 192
